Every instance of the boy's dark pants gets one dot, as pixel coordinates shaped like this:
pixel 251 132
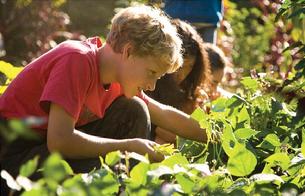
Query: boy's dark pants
pixel 125 118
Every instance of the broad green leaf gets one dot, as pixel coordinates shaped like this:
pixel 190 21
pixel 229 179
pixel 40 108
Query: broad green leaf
pixel 113 157
pixel 250 83
pixel 173 160
pixel 185 182
pixel 67 167
pixel 138 174
pixel 280 159
pixel 102 180
pixel 228 140
pixel 270 141
pixel 242 163
pixel 54 168
pixel 245 133
pixel 29 167
pixel 219 105
pixel 243 116
pixel 198 114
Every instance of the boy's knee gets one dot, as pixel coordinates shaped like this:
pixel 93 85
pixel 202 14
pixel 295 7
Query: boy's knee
pixel 137 111
pixel 140 106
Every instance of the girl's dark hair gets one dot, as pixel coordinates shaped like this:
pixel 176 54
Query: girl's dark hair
pixel 167 90
pixel 216 57
pixel 192 45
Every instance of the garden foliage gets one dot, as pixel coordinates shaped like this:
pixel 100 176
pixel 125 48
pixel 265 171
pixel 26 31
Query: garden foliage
pixel 261 148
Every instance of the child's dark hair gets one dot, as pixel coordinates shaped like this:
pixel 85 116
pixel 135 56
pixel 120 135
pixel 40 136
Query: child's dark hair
pixel 167 90
pixel 216 57
pixel 192 45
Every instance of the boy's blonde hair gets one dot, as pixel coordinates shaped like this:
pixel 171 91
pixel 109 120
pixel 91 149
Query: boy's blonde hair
pixel 150 33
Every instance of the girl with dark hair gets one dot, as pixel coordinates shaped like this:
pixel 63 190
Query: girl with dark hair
pixel 180 88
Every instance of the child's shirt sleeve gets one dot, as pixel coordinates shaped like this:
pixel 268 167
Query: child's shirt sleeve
pixel 67 84
pixel 143 96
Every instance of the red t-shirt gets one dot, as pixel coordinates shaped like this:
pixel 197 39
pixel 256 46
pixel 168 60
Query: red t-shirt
pixel 67 75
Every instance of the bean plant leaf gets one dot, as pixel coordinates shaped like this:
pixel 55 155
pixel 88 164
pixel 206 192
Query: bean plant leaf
pixel 198 114
pixel 113 157
pixel 250 83
pixel 270 142
pixel 228 140
pixel 138 174
pixel 173 160
pixel 165 149
pixel 245 133
pixel 279 159
pixel 187 184
pixel 29 167
pixel 55 169
pixel 242 163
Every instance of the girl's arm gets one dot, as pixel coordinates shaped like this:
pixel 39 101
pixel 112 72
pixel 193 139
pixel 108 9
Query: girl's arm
pixel 175 121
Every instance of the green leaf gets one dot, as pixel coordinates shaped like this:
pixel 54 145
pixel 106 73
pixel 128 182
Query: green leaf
pixel 270 142
pixel 219 104
pixel 138 174
pixel 243 116
pixel 303 142
pixel 54 168
pixel 185 182
pixel 173 160
pixel 67 167
pixel 29 167
pixel 113 157
pixel 242 163
pixel 249 83
pixel 228 140
pixel 165 149
pixel 198 114
pixel 104 181
pixel 280 159
pixel 245 133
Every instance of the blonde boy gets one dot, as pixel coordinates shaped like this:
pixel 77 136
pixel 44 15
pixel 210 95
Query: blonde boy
pixel 91 94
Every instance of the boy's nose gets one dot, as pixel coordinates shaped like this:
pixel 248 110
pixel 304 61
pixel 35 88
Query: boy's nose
pixel 151 86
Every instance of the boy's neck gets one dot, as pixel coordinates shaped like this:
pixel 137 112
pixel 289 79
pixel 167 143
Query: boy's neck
pixel 108 64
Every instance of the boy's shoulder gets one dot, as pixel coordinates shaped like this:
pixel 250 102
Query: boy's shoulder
pixel 82 49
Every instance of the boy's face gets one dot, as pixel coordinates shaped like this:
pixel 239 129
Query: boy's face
pixel 139 73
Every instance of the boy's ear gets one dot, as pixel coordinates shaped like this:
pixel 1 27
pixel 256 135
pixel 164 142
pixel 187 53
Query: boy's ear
pixel 127 48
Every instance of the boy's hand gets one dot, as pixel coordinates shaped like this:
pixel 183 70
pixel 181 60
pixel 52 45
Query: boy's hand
pixel 143 146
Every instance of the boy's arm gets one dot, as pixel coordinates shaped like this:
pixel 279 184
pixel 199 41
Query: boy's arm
pixel 71 143
pixel 175 121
